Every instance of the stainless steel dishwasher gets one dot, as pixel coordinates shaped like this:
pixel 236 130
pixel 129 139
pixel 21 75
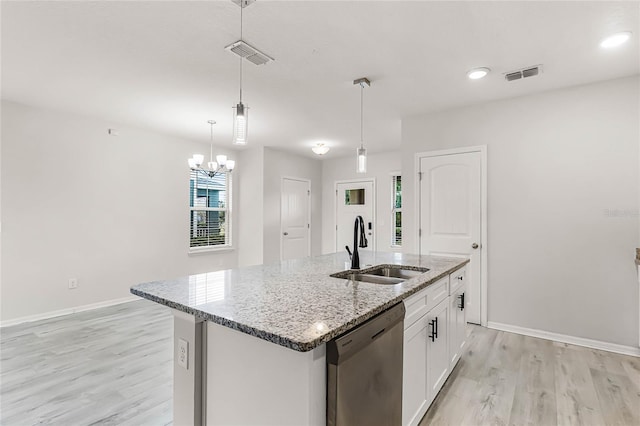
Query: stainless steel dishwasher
pixel 364 373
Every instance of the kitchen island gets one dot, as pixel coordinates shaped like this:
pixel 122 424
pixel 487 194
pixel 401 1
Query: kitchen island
pixel 250 342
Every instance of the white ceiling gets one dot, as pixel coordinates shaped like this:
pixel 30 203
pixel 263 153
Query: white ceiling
pixel 161 65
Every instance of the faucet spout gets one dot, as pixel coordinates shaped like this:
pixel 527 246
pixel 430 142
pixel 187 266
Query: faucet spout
pixel 358 226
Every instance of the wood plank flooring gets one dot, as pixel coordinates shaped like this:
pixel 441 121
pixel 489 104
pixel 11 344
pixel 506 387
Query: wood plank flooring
pixel 509 379
pixel 110 366
pixel 113 366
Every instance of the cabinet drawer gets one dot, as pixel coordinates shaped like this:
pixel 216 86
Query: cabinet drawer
pixel 423 301
pixel 458 279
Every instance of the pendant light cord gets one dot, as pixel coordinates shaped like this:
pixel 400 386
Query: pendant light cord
pixel 211 152
pixel 361 115
pixel 241 9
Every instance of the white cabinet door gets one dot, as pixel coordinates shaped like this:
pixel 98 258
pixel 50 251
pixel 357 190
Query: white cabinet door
pixel 414 372
pixel 457 324
pixel 437 348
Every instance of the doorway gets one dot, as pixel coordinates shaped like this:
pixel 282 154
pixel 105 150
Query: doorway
pixel 452 219
pixel 355 198
pixel 295 218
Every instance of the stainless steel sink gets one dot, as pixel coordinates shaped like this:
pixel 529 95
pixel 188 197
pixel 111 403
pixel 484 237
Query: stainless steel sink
pixel 374 279
pixel 381 274
pixel 389 271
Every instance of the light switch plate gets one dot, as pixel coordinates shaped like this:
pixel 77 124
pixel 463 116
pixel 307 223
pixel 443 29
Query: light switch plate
pixel 183 354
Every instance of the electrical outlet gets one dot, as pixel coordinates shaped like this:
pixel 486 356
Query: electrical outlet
pixel 183 354
pixel 73 283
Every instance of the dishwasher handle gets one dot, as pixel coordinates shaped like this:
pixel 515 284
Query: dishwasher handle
pixel 341 348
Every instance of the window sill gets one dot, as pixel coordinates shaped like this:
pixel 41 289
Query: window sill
pixel 210 250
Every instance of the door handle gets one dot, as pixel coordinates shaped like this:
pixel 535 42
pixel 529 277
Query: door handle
pixel 461 306
pixel 285 233
pixel 474 246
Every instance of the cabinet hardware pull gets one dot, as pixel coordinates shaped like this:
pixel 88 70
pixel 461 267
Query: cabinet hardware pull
pixel 434 332
pixel 459 277
pixel 436 321
pixel 461 306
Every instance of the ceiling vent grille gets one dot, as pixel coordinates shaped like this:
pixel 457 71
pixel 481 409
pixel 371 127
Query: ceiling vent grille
pixel 249 53
pixel 523 73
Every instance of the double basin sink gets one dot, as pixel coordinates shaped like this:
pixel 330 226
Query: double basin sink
pixel 381 274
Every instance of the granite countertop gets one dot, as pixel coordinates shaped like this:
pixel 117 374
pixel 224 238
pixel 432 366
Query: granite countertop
pixel 295 303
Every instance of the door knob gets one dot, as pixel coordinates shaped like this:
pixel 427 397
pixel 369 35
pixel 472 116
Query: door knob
pixel 285 233
pixel 474 246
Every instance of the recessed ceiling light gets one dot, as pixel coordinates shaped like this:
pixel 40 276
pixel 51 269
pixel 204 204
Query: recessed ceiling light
pixel 477 73
pixel 615 40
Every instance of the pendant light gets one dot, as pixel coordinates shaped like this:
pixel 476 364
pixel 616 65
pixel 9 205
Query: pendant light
pixel 241 111
pixel 221 165
pixel 361 165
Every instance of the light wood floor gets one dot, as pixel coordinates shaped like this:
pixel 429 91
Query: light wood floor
pixel 509 379
pixel 113 366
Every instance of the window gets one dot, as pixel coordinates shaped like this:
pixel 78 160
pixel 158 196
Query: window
pixel 210 207
pixel 396 211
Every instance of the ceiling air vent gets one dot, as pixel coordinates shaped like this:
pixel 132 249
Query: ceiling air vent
pixel 523 73
pixel 517 75
pixel 250 53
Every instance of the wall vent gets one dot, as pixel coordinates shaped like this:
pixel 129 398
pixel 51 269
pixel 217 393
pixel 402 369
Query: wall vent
pixel 523 73
pixel 249 53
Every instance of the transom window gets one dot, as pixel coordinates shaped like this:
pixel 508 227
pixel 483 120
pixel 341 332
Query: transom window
pixel 210 207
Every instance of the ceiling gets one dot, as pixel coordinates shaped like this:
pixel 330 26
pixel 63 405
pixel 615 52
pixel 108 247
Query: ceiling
pixel 161 65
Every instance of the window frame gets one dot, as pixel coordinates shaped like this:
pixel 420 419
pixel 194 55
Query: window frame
pixel 228 244
pixel 394 210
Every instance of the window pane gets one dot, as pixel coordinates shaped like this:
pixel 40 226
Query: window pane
pixel 206 191
pixel 398 191
pixel 208 228
pixel 354 197
pixel 398 229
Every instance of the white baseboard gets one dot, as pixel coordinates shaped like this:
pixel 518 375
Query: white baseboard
pixel 563 338
pixel 61 312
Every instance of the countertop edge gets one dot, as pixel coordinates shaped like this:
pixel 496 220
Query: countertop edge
pixel 286 342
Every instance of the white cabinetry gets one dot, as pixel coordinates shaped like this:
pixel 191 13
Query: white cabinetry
pixel 434 337
pixel 414 383
pixel 457 324
pixel 438 348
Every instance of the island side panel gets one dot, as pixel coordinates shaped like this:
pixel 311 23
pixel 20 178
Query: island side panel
pixel 252 381
pixel 188 376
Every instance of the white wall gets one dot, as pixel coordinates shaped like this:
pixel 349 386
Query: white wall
pixel 78 203
pixel 557 163
pixel 250 195
pixel 379 166
pixel 279 164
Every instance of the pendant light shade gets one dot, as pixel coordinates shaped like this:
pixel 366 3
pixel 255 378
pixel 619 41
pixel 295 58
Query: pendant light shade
pixel 361 158
pixel 240 124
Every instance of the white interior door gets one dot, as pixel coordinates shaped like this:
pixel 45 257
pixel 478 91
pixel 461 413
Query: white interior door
pixel 354 198
pixel 450 215
pixel 295 219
